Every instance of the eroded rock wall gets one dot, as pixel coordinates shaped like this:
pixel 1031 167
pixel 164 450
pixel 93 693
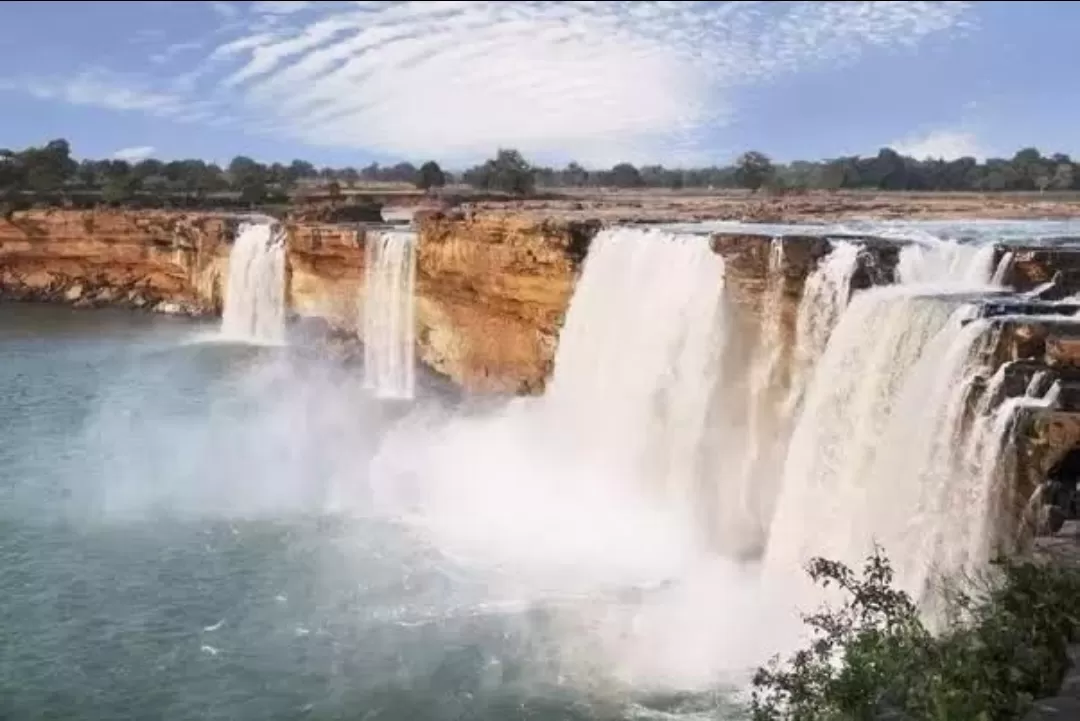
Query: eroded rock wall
pixel 169 262
pixel 491 289
pixel 492 292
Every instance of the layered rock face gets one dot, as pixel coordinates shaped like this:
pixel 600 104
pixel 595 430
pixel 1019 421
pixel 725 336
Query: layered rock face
pixel 491 290
pixel 169 262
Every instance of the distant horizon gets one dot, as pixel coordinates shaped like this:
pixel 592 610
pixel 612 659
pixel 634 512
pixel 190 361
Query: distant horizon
pixel 136 155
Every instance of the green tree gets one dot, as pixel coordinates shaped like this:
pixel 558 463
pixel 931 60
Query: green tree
pixel 753 170
pixel 49 168
pixel 301 169
pixel 121 183
pixel 11 172
pixel 507 172
pixel 575 176
pixel 1064 175
pixel 625 175
pixel 249 178
pixel 430 176
pixel 872 657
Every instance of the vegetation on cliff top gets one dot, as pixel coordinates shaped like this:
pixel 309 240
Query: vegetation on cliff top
pixel 51 171
pixel 873 658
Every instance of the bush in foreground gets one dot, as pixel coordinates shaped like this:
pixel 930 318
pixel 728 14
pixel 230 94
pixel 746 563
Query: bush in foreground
pixel 873 657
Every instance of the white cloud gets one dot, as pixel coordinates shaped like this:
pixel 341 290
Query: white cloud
pixel 135 154
pixel 224 9
pixel 173 50
pixel 102 89
pixel 941 144
pixel 281 7
pixel 598 82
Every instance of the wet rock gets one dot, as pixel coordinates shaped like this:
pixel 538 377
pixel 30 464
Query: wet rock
pixel 998 305
pixel 74 293
pixel 1063 351
pixel 171 308
pixel 1034 266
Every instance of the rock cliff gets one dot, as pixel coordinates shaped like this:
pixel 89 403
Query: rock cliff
pixel 491 289
pixel 168 262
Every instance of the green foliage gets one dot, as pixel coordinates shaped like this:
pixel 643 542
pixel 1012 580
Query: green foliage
pixel 873 657
pixel 753 170
pixel 625 175
pixel 121 182
pixel 430 176
pixel 507 172
pixel 49 172
pixel 249 177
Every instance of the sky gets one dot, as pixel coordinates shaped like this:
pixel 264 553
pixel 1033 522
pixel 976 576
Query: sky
pixel 679 83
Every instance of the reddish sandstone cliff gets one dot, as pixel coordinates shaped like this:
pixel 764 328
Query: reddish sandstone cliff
pixel 171 262
pixel 491 289
pixel 492 292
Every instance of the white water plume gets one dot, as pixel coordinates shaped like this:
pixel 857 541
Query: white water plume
pixel 637 358
pixel 825 295
pixel 764 416
pixel 388 314
pixel 946 263
pixel 843 425
pixel 867 462
pixel 985 453
pixel 618 428
pixel 599 485
pixel 1003 267
pixel 255 289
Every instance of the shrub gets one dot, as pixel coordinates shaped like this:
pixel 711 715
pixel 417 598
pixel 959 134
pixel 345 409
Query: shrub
pixel 874 657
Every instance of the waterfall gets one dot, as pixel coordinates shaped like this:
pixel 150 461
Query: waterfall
pixel 946 263
pixel 606 468
pixel 875 456
pixel 763 414
pixel 637 357
pixel 1003 267
pixel 388 314
pixel 825 295
pixel 255 291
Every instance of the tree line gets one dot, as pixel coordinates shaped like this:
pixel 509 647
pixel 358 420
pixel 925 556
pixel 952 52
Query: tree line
pixel 51 170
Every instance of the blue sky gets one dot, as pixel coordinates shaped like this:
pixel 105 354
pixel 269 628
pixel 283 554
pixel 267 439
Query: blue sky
pixel 345 83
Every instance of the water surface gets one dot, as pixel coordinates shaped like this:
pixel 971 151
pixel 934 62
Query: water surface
pixel 187 532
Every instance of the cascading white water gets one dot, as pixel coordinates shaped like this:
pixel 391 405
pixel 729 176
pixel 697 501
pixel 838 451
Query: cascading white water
pixel 601 482
pixel 618 429
pixel 763 412
pixel 637 357
pixel 1003 267
pixel 388 314
pixel 825 295
pixel 872 458
pixel 255 290
pixel 946 263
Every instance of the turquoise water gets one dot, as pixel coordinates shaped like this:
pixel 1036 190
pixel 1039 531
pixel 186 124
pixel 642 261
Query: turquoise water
pixel 183 535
